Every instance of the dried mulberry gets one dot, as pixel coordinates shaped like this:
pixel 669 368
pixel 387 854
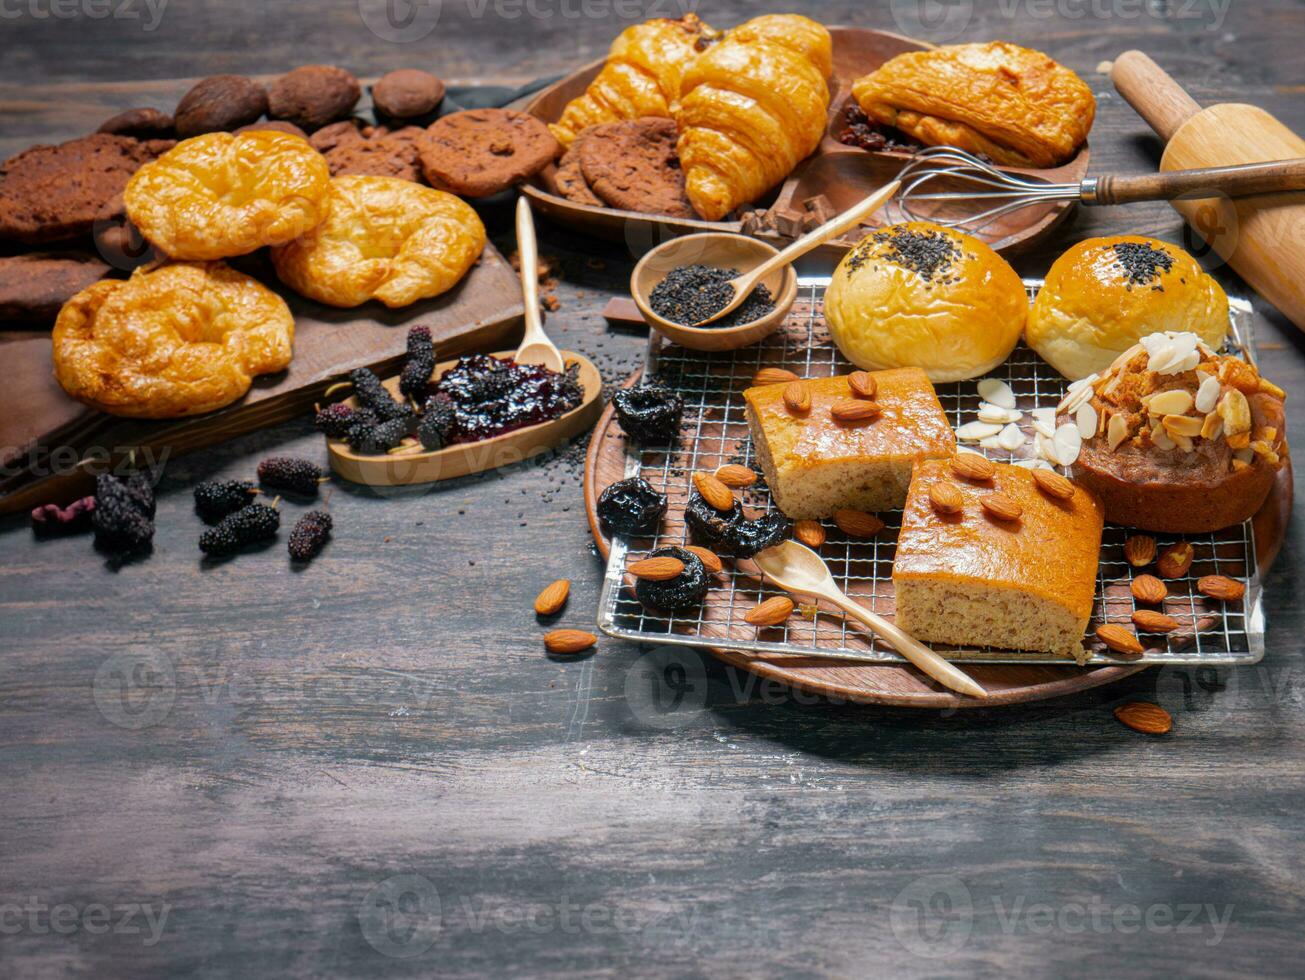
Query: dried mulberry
pixel 49 520
pixel 732 533
pixel 649 413
pixel 309 535
pixel 686 590
pixel 215 500
pixel 376 398
pixel 123 514
pixel 257 522
pixel 630 506
pixel 437 421
pixel 292 474
pixel 419 366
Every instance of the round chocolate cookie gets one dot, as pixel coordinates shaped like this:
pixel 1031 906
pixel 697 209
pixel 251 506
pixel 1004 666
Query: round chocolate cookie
pixel 219 103
pixel 381 154
pixel 632 165
pixel 312 96
pixel 407 94
pixel 33 287
pixel 483 151
pixel 570 179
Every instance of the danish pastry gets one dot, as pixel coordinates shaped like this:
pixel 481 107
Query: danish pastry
pixel 386 239
pixel 1015 105
pixel 220 194
pixel 177 340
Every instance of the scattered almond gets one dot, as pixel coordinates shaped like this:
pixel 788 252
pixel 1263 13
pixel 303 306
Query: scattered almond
pixel 568 641
pixel 1121 639
pixel 1149 589
pixel 773 376
pixel 1053 484
pixel 718 496
pixel 854 410
pixel 1175 560
pixel 734 475
pixel 1220 587
pixel 946 498
pixel 810 533
pixel 857 523
pixel 1149 719
pixel 1139 549
pixel 661 568
pixel 553 598
pixel 796 398
pixel 709 559
pixel 772 612
pixel 1150 621
pixel 1001 506
pixel 971 466
pixel 862 384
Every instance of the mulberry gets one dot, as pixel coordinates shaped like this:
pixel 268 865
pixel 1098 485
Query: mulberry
pixel 49 520
pixel 257 522
pixel 141 490
pixel 214 501
pixel 309 535
pixel 374 396
pixel 437 421
pixel 334 421
pixel 420 364
pixel 374 438
pixel 292 474
pixel 123 515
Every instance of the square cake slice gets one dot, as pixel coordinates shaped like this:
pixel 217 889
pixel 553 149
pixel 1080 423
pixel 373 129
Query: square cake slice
pixel 815 464
pixel 969 579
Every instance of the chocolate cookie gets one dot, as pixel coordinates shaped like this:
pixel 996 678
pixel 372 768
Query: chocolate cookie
pixel 312 96
pixel 407 94
pixel 632 165
pixel 381 153
pixel 483 151
pixel 570 179
pixel 34 287
pixel 51 193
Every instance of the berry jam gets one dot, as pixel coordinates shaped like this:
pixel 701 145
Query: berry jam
pixel 492 396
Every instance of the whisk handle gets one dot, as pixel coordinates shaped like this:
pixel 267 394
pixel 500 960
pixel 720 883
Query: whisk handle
pixel 1239 181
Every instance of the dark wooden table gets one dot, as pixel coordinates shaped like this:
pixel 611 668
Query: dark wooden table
pixel 371 766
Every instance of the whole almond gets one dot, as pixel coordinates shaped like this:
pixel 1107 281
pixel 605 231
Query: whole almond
pixel 854 410
pixel 1149 589
pixel 734 475
pixel 1002 507
pixel 553 598
pixel 718 496
pixel 971 466
pixel 773 376
pixel 810 533
pixel 772 612
pixel 1121 639
pixel 1175 560
pixel 1220 587
pixel 862 384
pixel 1149 719
pixel 857 523
pixel 946 498
pixel 568 641
pixel 1150 621
pixel 709 559
pixel 1053 484
pixel 796 398
pixel 1139 549
pixel 660 568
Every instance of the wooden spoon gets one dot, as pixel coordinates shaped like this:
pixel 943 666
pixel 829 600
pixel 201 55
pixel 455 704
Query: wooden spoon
pixel 535 347
pixel 835 226
pixel 796 568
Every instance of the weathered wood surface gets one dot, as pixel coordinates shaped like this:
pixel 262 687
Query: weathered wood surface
pixel 388 711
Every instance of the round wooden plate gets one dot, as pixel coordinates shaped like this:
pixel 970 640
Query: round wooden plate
pixel 842 174
pixel 904 686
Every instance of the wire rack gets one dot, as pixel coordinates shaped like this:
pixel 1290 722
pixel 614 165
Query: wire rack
pixel 715 432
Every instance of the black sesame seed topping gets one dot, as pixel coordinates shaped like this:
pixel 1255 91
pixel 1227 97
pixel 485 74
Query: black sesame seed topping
pixel 929 254
pixel 691 293
pixel 1140 261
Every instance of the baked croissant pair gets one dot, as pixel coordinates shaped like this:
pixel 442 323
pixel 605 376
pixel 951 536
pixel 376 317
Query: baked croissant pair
pixel 749 104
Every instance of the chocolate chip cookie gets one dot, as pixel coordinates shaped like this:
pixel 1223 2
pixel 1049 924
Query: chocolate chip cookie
pixel 570 179
pixel 381 153
pixel 33 287
pixel 632 165
pixel 480 152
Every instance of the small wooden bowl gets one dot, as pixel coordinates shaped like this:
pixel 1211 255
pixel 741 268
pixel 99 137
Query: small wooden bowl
pixel 724 251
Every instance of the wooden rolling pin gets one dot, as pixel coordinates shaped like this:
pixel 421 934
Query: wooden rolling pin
pixel 1262 237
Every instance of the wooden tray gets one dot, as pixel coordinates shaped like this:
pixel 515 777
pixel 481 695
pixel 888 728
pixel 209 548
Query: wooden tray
pixel 842 174
pixel 45 436
pixel 903 685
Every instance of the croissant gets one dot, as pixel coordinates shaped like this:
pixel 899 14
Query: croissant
pixel 751 107
pixel 641 77
pixel 1015 105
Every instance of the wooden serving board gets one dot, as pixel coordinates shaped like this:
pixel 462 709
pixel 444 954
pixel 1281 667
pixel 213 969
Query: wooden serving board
pixel 52 445
pixel 903 685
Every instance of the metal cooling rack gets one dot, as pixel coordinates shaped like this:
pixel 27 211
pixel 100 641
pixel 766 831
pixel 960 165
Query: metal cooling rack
pixel 715 432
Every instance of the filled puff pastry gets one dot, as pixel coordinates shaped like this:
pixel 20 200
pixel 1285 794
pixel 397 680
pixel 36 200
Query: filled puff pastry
pixel 641 78
pixel 751 107
pixel 1015 105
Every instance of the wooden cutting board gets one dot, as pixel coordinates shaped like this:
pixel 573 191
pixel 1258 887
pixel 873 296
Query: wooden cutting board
pixel 50 445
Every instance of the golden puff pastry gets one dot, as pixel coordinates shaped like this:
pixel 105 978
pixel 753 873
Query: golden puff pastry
pixel 175 340
pixel 386 239
pixel 641 78
pixel 751 107
pixel 1015 105
pixel 224 194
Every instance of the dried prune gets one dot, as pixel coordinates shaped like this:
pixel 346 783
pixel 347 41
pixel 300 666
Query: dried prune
pixel 732 532
pixel 687 589
pixel 630 506
pixel 649 413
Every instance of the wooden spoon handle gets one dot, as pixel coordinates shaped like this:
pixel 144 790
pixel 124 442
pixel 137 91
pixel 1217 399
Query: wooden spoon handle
pixel 528 254
pixel 1158 99
pixel 1238 181
pixel 912 649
